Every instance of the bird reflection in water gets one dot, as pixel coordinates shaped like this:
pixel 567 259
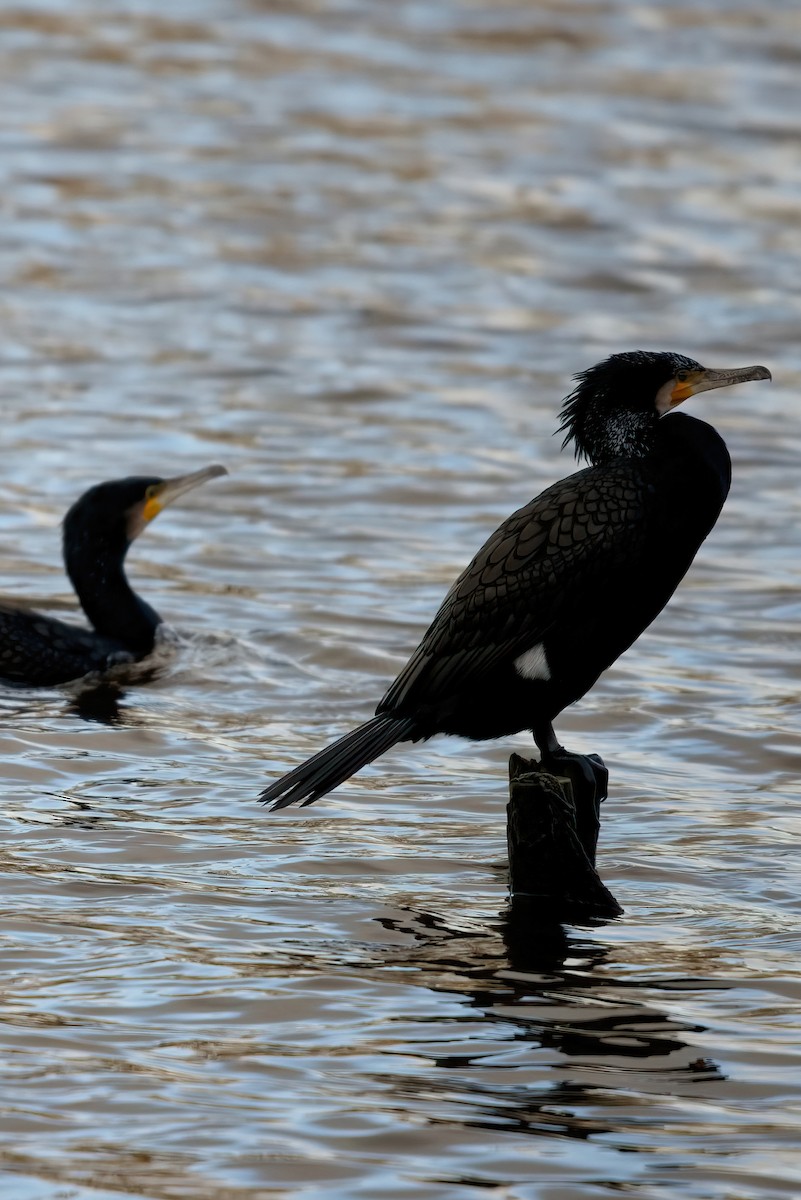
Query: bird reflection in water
pixel 542 989
pixel 100 696
pixel 102 703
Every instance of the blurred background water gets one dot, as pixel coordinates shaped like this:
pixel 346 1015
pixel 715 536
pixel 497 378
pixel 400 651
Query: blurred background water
pixel 355 251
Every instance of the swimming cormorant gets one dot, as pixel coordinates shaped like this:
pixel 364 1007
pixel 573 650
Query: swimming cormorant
pixel 568 582
pixel 40 651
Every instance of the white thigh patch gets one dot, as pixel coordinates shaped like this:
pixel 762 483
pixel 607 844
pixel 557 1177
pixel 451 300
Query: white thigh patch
pixel 533 664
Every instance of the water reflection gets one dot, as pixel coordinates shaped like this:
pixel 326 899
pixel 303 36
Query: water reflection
pixel 100 697
pixel 98 702
pixel 568 1047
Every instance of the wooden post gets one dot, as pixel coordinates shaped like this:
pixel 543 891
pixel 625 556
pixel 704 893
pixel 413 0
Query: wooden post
pixel 552 824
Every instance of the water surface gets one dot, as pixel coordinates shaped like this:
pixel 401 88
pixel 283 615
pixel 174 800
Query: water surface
pixel 355 252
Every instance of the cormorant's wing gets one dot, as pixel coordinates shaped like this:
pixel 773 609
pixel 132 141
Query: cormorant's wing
pixel 538 567
pixel 40 651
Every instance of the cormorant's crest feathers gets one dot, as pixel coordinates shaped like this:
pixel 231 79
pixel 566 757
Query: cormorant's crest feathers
pixel 628 381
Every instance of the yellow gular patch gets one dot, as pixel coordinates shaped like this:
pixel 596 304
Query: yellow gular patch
pixel 151 509
pixel 682 391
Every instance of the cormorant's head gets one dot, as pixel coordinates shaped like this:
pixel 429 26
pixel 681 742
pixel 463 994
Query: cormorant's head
pixel 616 404
pixel 107 518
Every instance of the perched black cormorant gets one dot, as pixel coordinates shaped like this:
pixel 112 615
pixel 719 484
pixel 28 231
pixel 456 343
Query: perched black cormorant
pixel 568 582
pixel 40 651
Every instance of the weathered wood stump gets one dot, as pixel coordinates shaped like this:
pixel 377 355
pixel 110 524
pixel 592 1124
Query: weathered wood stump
pixel 552 824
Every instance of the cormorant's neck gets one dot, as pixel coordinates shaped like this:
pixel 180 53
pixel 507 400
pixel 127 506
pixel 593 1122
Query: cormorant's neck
pixel 616 433
pixel 107 598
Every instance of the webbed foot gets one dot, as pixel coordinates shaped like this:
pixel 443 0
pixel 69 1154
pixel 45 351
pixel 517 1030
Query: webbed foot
pixel 589 767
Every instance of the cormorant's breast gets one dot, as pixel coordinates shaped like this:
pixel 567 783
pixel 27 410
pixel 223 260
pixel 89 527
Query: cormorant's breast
pixel 684 482
pixel 683 485
pixel 691 476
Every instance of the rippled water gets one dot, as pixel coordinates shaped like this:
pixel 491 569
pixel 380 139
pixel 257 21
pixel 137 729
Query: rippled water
pixel 355 252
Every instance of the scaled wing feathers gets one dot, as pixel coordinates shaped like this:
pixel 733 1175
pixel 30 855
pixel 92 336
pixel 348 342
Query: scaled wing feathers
pixel 532 573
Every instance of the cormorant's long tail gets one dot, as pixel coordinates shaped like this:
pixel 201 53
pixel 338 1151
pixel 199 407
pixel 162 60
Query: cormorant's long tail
pixel 324 771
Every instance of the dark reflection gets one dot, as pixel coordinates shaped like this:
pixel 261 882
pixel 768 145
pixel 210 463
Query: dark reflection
pixel 81 815
pixel 92 699
pixel 98 702
pixel 99 697
pixel 532 944
pixel 542 989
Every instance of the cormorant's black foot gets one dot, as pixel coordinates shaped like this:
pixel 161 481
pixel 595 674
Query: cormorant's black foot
pixel 590 767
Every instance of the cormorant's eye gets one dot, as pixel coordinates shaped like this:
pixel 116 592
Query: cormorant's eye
pixel 151 491
pixel 681 376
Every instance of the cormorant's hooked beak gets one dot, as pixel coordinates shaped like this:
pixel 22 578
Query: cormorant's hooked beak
pixel 159 495
pixel 690 383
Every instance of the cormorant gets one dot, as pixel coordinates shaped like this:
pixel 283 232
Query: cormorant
pixel 40 651
pixel 568 582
